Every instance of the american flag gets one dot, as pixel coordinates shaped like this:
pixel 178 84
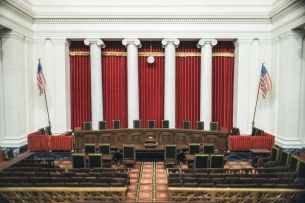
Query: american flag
pixel 41 82
pixel 266 84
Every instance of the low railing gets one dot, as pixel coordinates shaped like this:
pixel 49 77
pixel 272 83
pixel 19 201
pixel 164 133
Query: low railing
pixel 62 194
pixel 228 195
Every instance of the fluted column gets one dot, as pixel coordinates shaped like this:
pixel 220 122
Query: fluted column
pixel 206 46
pixel 170 46
pixel 132 46
pixel 96 80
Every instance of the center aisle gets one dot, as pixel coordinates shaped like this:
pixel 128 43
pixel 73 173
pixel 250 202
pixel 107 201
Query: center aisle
pixel 148 182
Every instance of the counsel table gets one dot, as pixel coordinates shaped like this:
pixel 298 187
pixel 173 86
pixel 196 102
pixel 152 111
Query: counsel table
pixel 258 152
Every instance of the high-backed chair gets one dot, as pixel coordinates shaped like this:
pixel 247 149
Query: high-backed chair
pixel 199 125
pixel 102 125
pixel 89 148
pixel 194 148
pixel 116 124
pixel 170 155
pixel 284 159
pixel 217 161
pixel 254 131
pixel 87 125
pixel 78 160
pixel 48 130
pixel 165 123
pixel 151 123
pixel 301 169
pixel 293 164
pixel 271 160
pixel 186 124
pixel 208 148
pixel 260 132
pixel 95 160
pixel 129 154
pixel 214 126
pixel 235 131
pixel 41 131
pixel 201 161
pixel 104 148
pixel 136 123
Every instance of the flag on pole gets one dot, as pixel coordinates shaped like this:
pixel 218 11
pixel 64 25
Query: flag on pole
pixel 265 81
pixel 41 82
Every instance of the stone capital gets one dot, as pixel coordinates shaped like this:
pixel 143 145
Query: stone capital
pixel 61 41
pixel 134 41
pixel 12 34
pixel 204 41
pixel 99 42
pixel 244 41
pixel 265 41
pixel 173 41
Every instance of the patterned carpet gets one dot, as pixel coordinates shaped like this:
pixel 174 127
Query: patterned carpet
pixel 148 179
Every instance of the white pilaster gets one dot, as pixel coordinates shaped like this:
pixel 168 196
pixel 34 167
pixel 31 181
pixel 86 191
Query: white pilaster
pixel 40 111
pixel 96 80
pixel 276 47
pixel 13 86
pixel 2 118
pixel 206 46
pixel 262 118
pixel 170 46
pixel 241 85
pixel 302 97
pixel 61 67
pixel 254 79
pixel 289 83
pixel 132 46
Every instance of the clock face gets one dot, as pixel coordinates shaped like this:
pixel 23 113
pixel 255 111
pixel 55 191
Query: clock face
pixel 150 59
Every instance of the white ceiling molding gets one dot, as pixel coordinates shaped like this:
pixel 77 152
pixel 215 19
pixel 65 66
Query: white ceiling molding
pixel 283 8
pixel 11 24
pixel 151 20
pixel 18 9
pixel 288 25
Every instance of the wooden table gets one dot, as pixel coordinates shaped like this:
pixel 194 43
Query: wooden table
pixel 258 152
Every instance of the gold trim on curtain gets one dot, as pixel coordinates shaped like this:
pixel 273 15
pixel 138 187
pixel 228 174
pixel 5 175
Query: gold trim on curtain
pixel 155 54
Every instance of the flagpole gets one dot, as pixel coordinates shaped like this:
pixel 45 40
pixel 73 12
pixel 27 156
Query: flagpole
pixel 259 85
pixel 44 92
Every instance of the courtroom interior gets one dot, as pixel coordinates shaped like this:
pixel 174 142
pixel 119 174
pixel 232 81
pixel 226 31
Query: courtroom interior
pixel 152 101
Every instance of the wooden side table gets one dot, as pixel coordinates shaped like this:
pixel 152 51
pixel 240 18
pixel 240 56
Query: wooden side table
pixel 258 152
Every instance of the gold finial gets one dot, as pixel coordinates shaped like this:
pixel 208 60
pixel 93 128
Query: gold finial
pixel 263 63
pixel 39 59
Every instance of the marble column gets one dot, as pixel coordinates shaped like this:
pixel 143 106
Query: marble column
pixel 14 85
pixel 170 46
pixel 61 77
pixel 132 46
pixel 241 116
pixel 290 99
pixel 96 80
pixel 206 46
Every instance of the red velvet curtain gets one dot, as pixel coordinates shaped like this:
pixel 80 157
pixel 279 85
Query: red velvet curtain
pixel 151 85
pixel 222 85
pixel 80 85
pixel 187 85
pixel 114 76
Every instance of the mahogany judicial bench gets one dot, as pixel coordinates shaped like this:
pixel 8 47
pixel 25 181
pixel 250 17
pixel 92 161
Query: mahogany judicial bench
pixel 164 136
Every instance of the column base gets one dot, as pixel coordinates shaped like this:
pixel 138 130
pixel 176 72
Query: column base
pixel 288 142
pixel 14 141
